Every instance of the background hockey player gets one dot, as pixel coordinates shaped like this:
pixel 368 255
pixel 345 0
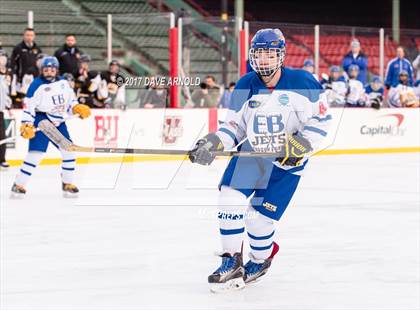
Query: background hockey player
pixel 5 104
pixel 87 83
pixel 403 95
pixel 336 86
pixel 375 93
pixel 273 109
pixel 114 93
pixel 356 91
pixel 49 97
pixel 308 65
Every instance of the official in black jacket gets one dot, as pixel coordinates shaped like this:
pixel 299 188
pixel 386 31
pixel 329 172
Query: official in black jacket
pixel 24 55
pixel 68 56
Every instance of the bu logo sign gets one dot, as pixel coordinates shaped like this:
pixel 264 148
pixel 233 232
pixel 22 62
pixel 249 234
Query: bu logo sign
pixel 172 129
pixel 106 130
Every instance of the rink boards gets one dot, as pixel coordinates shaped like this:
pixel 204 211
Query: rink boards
pixel 353 131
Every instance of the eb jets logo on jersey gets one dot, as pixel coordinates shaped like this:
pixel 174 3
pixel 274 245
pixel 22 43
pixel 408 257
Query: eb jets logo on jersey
pixel 268 133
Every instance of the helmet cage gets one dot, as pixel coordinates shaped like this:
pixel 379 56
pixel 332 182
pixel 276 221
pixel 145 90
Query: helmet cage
pixel 266 61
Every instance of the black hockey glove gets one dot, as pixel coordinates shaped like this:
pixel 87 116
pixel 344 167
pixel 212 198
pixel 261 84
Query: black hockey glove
pixel 376 102
pixel 202 153
pixel 294 150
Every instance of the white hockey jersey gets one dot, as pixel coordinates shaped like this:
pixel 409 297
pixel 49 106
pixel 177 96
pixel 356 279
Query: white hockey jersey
pixel 356 94
pixel 402 96
pixel 56 99
pixel 5 101
pixel 261 119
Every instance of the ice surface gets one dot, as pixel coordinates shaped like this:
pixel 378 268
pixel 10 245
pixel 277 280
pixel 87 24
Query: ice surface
pixel 142 236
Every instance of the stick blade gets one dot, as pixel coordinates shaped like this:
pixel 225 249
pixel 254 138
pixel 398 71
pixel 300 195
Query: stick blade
pixel 48 129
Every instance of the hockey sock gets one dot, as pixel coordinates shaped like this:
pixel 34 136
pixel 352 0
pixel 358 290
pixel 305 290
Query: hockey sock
pixel 68 166
pixel 260 231
pixel 232 205
pixel 32 160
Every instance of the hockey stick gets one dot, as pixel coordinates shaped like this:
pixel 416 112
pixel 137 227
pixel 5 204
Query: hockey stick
pixel 54 135
pixel 10 139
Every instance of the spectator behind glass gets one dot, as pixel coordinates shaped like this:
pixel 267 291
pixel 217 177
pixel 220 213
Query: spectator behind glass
pixel 214 90
pixel 356 57
pixel 23 65
pixel 375 93
pixel 225 99
pixel 308 65
pixel 156 96
pixel 68 55
pixel 403 95
pixel 395 67
pixel 200 97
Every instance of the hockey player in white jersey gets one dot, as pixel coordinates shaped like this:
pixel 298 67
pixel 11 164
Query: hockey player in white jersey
pixel 49 97
pixel 375 93
pixel 356 96
pixel 335 86
pixel 273 109
pixel 403 95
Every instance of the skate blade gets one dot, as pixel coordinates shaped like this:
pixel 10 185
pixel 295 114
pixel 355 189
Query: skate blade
pixel 254 279
pixel 70 195
pixel 16 195
pixel 231 285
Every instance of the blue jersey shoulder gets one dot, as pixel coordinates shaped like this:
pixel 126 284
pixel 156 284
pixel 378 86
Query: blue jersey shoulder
pixel 244 89
pixel 368 90
pixel 36 83
pixel 297 80
pixel 301 82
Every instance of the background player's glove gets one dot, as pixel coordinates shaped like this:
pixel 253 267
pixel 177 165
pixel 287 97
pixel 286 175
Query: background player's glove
pixel 82 109
pixel 202 152
pixel 27 130
pixel 295 149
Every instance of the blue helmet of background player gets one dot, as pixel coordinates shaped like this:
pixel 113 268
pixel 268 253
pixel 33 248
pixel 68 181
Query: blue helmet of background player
pixel 335 72
pixel 353 71
pixel 403 77
pixel 308 63
pixel 335 69
pixel 267 52
pixel 376 83
pixel 49 62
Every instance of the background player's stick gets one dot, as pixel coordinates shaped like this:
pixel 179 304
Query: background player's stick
pixel 10 139
pixel 54 135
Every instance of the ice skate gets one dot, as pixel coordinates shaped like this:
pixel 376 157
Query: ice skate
pixel 4 165
pixel 18 192
pixel 256 268
pixel 70 191
pixel 229 276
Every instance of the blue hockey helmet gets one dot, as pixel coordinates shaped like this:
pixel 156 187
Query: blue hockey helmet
pixel 49 61
pixel 308 63
pixel 335 69
pixel 267 52
pixel 353 68
pixel 376 79
pixel 403 72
